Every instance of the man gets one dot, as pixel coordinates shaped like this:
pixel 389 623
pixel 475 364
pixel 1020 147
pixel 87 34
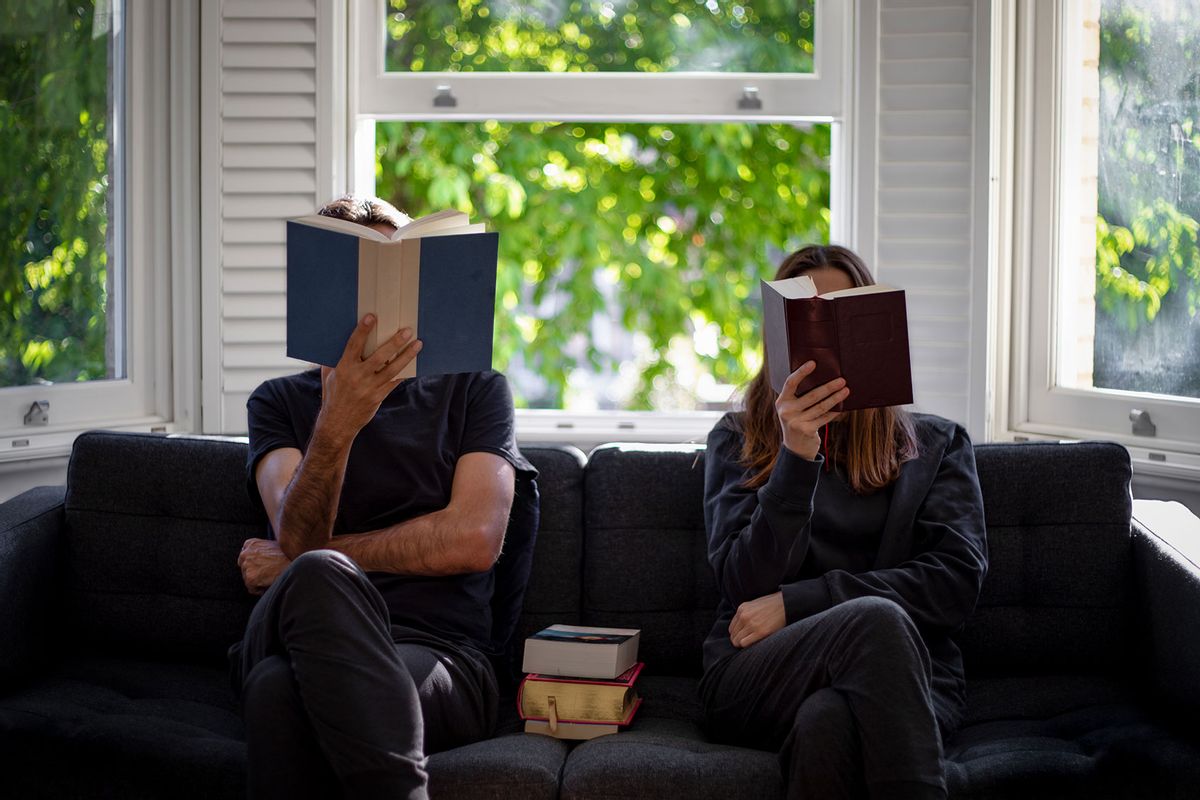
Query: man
pixel 388 501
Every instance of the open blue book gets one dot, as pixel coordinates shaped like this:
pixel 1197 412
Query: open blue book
pixel 436 275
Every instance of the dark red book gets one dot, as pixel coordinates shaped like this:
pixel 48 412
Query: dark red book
pixel 860 334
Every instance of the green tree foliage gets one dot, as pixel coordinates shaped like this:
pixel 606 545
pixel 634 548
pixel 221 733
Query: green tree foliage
pixel 600 36
pixel 1149 173
pixel 54 172
pixel 667 227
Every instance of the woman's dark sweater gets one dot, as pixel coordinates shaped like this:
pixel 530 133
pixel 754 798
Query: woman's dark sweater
pixel 919 542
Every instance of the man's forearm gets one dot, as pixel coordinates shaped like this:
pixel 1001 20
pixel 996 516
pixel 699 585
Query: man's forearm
pixel 310 502
pixel 441 543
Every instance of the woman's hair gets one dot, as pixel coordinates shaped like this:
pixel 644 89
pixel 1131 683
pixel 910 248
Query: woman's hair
pixel 869 444
pixel 364 211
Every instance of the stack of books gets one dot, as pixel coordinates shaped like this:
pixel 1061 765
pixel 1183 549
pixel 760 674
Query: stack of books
pixel 580 681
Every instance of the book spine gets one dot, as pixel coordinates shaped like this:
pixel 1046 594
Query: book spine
pixel 410 295
pixel 775 336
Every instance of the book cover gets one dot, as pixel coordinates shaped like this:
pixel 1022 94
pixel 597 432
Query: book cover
pixel 577 700
pixel 581 652
pixel 436 275
pixel 860 334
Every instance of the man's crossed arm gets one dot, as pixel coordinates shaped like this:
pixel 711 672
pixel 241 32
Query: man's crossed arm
pixel 301 490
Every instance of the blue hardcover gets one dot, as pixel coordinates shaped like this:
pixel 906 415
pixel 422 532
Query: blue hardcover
pixel 457 306
pixel 322 292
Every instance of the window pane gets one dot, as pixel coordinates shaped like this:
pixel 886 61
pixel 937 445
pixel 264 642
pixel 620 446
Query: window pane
pixel 600 36
pixel 630 254
pixel 57 61
pixel 1143 171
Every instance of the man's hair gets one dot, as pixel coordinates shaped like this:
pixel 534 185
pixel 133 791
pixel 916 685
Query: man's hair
pixel 364 211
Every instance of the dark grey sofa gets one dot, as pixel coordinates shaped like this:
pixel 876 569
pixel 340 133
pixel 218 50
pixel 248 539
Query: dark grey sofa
pixel 120 594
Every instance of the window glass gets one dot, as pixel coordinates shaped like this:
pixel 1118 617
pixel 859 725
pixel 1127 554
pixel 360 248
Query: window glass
pixel 1137 199
pixel 58 59
pixel 600 36
pixel 630 254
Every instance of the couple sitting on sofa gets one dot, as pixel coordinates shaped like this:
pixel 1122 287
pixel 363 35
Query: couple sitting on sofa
pixel 848 549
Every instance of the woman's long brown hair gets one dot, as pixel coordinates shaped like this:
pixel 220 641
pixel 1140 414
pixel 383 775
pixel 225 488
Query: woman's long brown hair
pixel 869 444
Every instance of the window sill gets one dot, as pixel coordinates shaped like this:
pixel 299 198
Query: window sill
pixel 1166 459
pixel 585 430
pixel 52 442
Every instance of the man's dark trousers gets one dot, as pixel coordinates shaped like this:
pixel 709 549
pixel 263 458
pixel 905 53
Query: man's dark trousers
pixel 338 702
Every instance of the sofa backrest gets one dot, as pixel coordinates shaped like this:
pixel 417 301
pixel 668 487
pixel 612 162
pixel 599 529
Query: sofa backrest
pixel 154 526
pixel 645 551
pixel 1058 594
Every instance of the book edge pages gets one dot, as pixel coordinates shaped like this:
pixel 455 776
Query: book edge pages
pixel 388 292
pixel 464 230
pixel 368 300
pixel 595 731
pixel 410 295
pixel 341 226
pixel 854 291
pixel 591 629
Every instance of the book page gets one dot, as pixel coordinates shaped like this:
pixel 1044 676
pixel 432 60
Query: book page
pixel 795 288
pixel 439 220
pixel 875 289
pixel 342 226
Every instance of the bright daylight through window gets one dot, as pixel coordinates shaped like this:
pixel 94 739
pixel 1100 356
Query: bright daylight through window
pixel 58 274
pixel 630 251
pixel 1130 290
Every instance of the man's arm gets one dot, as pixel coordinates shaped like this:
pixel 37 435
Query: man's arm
pixel 465 536
pixel 300 491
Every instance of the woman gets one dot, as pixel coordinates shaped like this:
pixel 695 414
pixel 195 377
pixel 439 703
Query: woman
pixel 849 549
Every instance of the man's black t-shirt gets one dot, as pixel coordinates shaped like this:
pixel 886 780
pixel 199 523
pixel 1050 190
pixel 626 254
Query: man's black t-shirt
pixel 401 466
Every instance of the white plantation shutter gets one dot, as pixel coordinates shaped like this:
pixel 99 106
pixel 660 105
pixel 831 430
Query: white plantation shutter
pixel 920 195
pixel 268 112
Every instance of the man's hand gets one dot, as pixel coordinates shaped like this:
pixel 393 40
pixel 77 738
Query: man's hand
pixel 261 562
pixel 757 619
pixel 352 391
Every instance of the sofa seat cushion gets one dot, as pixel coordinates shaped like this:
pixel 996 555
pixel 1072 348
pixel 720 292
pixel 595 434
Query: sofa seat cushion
pixel 664 753
pixel 104 727
pixel 1065 737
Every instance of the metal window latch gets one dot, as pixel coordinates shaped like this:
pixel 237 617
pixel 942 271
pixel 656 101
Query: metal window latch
pixel 444 98
pixel 750 101
pixel 38 413
pixel 1142 426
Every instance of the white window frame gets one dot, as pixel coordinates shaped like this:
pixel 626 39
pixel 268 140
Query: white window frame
pixel 157 169
pixel 1031 130
pixel 824 95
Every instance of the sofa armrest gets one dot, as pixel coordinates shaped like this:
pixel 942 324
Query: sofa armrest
pixel 31 531
pixel 1166 540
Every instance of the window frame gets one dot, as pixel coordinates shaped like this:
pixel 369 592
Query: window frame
pixel 1030 128
pixel 156 201
pixel 823 96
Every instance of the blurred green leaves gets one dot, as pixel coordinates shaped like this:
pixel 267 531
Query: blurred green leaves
pixel 677 223
pixel 1149 171
pixel 54 176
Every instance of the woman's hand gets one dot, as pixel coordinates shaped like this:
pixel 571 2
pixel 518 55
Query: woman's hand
pixel 803 417
pixel 757 619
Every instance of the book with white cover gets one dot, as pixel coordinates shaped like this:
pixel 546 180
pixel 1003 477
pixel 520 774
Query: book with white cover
pixel 581 652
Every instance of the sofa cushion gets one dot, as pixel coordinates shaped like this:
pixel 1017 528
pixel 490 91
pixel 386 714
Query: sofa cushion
pixel 99 727
pixel 1065 736
pixel 1058 596
pixel 647 553
pixel 664 753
